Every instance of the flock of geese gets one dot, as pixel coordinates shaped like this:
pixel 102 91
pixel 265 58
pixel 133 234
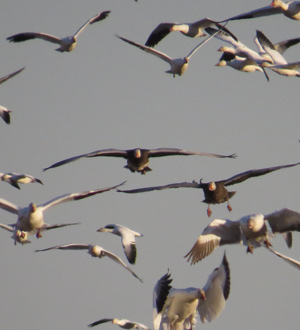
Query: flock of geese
pixel 173 308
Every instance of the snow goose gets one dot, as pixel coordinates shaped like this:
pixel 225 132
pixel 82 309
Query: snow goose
pixel 22 236
pixel 178 65
pixel 279 63
pixel 177 308
pixel 238 49
pixel 251 231
pixel 240 63
pixel 214 191
pixel 193 30
pixel 31 218
pixel 95 251
pixel 3 79
pixel 66 44
pixel 15 178
pixel 289 9
pixel 122 323
pixel 127 239
pixel 5 114
pixel 137 159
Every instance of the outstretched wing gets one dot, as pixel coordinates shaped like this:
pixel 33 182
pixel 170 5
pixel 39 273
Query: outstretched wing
pixel 254 173
pixel 260 12
pixel 66 247
pixel 10 75
pixel 34 35
pixel 99 17
pixel 181 152
pixel 99 322
pixel 160 32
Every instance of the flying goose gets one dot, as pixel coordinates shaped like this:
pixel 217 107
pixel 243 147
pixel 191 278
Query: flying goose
pixel 122 323
pixel 279 63
pixel 15 178
pixel 127 239
pixel 289 9
pixel 178 65
pixel 177 308
pixel 66 44
pixel 251 231
pixel 31 218
pixel 137 159
pixel 238 48
pixel 214 191
pixel 193 30
pixel 240 63
pixel 94 251
pixel 10 75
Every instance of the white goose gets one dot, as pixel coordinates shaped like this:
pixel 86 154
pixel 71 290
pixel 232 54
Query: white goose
pixel 15 178
pixel 66 44
pixel 289 9
pixel 279 63
pixel 31 218
pixel 5 114
pixel 22 236
pixel 177 308
pixel 122 323
pixel 10 75
pixel 127 239
pixel 178 65
pixel 238 49
pixel 94 251
pixel 250 230
pixel 192 30
pixel 240 63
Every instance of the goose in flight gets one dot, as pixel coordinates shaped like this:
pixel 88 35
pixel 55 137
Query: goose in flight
pixel 66 44
pixel 279 63
pixel 127 239
pixel 22 236
pixel 137 159
pixel 122 323
pixel 240 63
pixel 178 65
pixel 31 218
pixel 193 30
pixel 251 231
pixel 238 48
pixel 177 308
pixel 5 114
pixel 94 251
pixel 289 9
pixel 214 191
pixel 10 75
pixel 15 178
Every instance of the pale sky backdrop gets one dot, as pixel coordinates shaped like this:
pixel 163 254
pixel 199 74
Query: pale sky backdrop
pixel 109 94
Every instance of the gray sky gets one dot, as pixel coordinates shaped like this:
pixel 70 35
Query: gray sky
pixel 108 94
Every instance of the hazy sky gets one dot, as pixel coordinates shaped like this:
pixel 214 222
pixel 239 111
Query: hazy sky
pixel 109 94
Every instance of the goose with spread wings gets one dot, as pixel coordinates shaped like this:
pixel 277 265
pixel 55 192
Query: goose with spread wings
pixel 178 65
pixel 279 64
pixel 251 230
pixel 15 178
pixel 31 218
pixel 66 44
pixel 137 159
pixel 215 192
pixel 177 308
pixel 95 251
pixel 127 239
pixel 192 30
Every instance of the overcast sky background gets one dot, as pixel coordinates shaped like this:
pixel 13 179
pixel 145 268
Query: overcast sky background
pixel 109 94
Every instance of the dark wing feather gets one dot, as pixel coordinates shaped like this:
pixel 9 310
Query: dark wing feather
pixel 284 220
pixel 99 322
pixel 160 152
pixel 98 153
pixel 172 185
pixel 162 289
pixel 10 75
pixel 254 173
pixel 226 289
pixel 161 31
